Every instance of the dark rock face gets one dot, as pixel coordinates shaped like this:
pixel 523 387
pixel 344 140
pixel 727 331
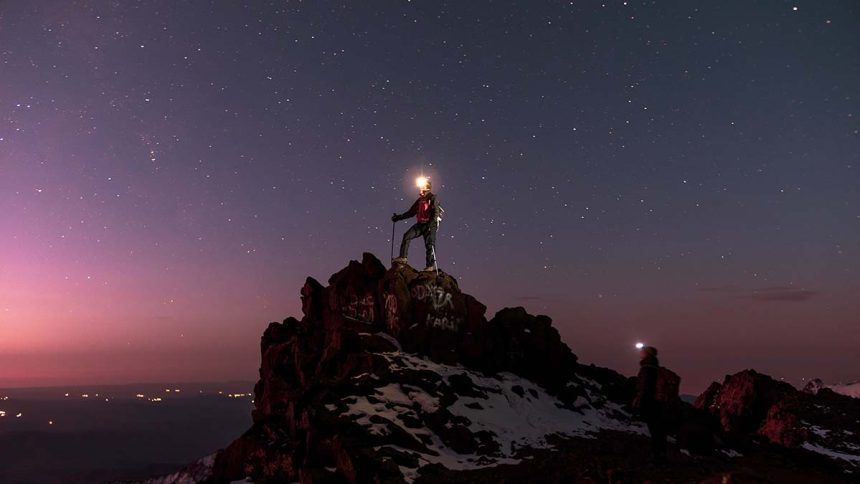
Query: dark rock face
pixel 396 375
pixel 743 400
pixel 358 347
pixel 751 404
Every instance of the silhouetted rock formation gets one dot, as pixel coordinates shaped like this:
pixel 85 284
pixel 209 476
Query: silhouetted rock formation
pixel 344 392
pixel 396 375
pixel 751 404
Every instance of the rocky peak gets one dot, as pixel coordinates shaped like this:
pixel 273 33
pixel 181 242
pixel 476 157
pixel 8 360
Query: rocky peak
pixel 752 404
pixel 396 375
pixel 391 371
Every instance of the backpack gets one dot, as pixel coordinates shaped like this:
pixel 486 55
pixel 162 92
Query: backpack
pixel 439 210
pixel 668 384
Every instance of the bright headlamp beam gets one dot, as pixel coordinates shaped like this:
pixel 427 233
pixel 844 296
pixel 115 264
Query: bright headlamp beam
pixel 640 345
pixel 421 181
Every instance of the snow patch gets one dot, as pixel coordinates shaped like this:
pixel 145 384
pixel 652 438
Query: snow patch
pixel 818 431
pixel 198 471
pixel 731 453
pixel 850 390
pixel 854 459
pixel 519 419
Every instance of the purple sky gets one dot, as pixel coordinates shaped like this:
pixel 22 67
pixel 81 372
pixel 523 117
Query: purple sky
pixel 685 174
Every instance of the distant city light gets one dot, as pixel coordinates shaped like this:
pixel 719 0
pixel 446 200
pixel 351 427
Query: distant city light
pixel 2 413
pixel 19 415
pixel 140 395
pixel 50 422
pixel 156 399
pixel 85 395
pixel 66 395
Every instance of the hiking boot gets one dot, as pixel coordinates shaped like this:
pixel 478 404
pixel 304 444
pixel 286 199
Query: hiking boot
pixel 400 260
pixel 429 269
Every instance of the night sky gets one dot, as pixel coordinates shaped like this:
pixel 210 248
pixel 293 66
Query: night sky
pixel 684 173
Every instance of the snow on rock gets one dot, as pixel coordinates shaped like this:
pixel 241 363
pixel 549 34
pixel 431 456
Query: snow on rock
pixel 198 471
pixel 815 419
pixel 852 458
pixel 510 413
pixel 849 390
pixel 393 370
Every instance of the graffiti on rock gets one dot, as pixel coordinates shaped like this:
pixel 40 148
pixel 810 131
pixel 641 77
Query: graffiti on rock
pixel 360 308
pixel 451 323
pixel 392 315
pixel 441 304
pixel 440 298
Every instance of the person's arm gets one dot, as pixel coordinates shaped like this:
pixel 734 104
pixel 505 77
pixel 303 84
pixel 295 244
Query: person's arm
pixel 640 385
pixel 409 213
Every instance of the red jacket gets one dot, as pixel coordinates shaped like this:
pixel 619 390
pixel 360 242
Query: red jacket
pixel 426 209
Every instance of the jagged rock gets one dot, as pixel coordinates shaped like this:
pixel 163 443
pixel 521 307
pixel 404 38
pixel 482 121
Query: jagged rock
pixel 344 394
pixel 396 375
pixel 751 404
pixel 743 400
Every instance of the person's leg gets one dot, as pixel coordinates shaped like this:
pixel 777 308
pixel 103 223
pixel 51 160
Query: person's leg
pixel 413 232
pixel 430 244
pixel 658 440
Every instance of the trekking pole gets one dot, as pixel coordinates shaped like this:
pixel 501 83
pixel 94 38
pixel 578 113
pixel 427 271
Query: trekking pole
pixel 393 224
pixel 435 263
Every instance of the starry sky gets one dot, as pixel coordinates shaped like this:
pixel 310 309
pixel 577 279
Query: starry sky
pixel 682 173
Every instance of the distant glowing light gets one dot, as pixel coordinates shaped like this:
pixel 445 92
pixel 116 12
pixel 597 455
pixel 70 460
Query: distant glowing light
pixel 2 413
pixel 640 345
pixel 156 399
pixel 85 395
pixel 67 394
pixel 50 422
pixel 19 415
pixel 140 395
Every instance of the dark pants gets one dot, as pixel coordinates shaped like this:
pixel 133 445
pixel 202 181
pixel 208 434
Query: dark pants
pixel 428 231
pixel 657 429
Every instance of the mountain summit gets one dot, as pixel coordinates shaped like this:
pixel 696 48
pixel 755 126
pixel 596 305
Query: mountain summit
pixel 396 375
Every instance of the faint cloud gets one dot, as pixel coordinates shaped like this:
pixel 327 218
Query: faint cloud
pixel 783 294
pixel 764 294
pixel 723 289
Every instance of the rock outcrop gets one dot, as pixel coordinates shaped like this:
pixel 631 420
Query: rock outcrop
pixel 395 375
pixel 391 373
pixel 752 404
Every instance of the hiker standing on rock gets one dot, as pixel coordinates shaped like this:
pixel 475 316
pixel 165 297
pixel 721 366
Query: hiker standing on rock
pixel 428 214
pixel 650 409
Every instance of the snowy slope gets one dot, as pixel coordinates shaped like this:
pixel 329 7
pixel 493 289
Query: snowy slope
pixel 851 390
pixel 508 412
